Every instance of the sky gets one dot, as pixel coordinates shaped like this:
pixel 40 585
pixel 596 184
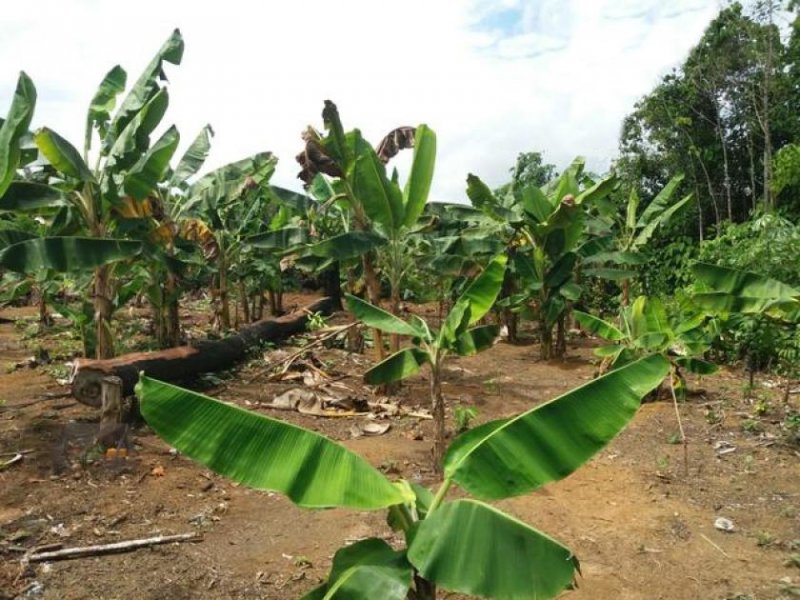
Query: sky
pixel 493 78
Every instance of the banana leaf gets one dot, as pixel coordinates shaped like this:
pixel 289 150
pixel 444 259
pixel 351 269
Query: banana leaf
pixel 470 547
pixel 378 318
pixel 399 365
pixel 365 570
pixel 743 284
pixel 14 127
pixel 142 177
pixel 26 195
pixel 350 244
pixel 264 453
pixel 194 157
pixel 103 102
pixel 415 193
pixel 598 327
pixel 62 155
pixel 63 254
pixel 551 441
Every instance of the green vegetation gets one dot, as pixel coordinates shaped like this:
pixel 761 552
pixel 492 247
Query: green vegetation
pixel 681 257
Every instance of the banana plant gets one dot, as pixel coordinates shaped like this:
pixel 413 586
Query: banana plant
pixel 634 231
pixel 548 225
pixel 648 330
pixel 380 208
pixel 126 165
pixel 13 128
pixel 458 335
pixel 463 545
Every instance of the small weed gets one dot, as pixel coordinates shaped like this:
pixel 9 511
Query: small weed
pixel 662 462
pixel 793 560
pixel 749 464
pixel 761 407
pixel 740 597
pixel 9 368
pixel 751 426
pixel 713 417
pixel 463 416
pixel 674 438
pixel 490 385
pixel 764 539
pixel 302 562
pixel 316 322
pixel 789 512
pixel 58 371
pixel 789 588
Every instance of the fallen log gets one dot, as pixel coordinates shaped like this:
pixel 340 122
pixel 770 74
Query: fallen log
pixel 184 362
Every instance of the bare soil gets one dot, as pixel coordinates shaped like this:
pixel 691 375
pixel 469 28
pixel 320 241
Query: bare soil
pixel 642 527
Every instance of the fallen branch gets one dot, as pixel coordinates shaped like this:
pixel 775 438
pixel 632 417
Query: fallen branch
pixel 288 360
pixel 81 552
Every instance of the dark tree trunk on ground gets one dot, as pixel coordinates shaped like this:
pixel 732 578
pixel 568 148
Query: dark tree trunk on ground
pixel 185 362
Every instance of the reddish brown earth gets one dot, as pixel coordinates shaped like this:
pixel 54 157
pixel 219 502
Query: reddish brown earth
pixel 642 528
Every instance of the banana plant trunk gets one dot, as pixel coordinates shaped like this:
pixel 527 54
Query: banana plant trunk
pixel 373 285
pixel 224 304
pixel 173 320
pixel 102 313
pixel 437 408
pixel 243 301
pixel 545 339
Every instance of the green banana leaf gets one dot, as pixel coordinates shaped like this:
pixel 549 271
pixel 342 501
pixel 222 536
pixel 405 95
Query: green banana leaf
pixel 481 294
pixel 418 185
pixel 631 209
pixel 598 327
pixel 609 274
pixel 551 441
pixel 63 254
pixel 484 200
pixel 648 230
pixel 696 365
pixel 142 177
pixel 366 570
pixel 62 155
pixel 103 102
pixel 134 140
pixel 536 203
pixel 280 239
pixel 743 283
pixel 14 127
pixel 660 203
pixel 25 196
pixel 470 547
pixel 401 364
pixel 194 157
pixel 145 88
pixel 264 453
pixel 9 237
pixel 350 244
pixel 372 316
pixel 476 340
pixel 381 198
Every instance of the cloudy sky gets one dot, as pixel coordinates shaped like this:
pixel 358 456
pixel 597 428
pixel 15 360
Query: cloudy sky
pixel 492 77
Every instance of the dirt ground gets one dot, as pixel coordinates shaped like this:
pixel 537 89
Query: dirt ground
pixel 641 526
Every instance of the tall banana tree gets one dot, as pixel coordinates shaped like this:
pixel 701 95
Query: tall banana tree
pixel 634 229
pixel 548 225
pixel 462 545
pixel 382 212
pixel 126 165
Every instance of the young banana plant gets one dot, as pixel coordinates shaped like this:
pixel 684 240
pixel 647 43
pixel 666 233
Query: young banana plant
pixel 648 330
pixel 463 545
pixel 457 335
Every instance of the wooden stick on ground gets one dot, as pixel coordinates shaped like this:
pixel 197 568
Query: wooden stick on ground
pixel 127 546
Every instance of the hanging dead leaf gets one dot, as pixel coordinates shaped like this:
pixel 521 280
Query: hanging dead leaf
pixel 396 140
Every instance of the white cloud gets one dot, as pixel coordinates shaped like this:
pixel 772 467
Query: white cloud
pixel 556 76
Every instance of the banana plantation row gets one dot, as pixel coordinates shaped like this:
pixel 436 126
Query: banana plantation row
pixel 120 220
